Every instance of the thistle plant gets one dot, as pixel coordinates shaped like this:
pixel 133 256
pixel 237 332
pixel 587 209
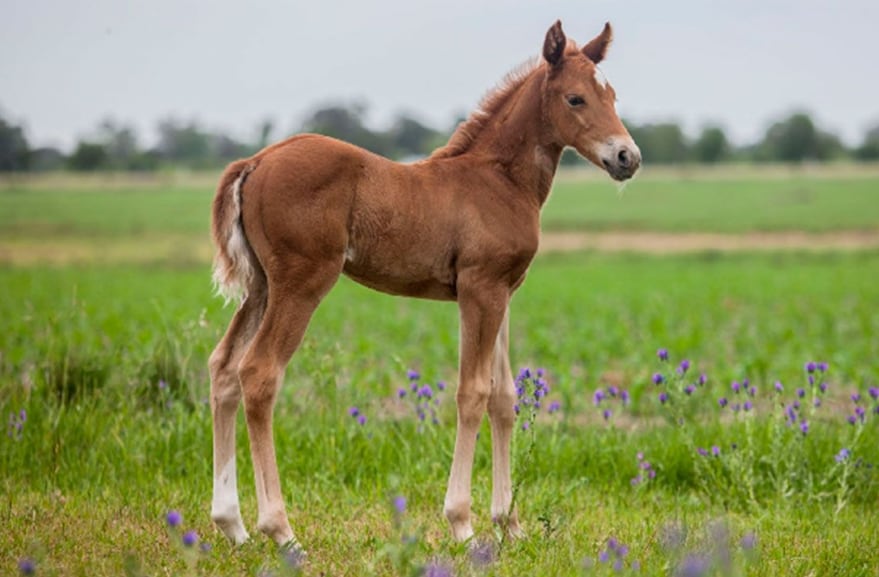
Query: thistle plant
pixel 425 399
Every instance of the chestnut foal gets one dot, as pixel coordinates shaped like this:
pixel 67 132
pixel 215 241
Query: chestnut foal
pixel 461 225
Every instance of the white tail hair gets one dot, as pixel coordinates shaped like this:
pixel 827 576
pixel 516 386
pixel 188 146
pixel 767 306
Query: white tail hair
pixel 233 268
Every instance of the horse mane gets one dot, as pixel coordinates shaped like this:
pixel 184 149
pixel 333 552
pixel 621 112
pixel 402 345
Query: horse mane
pixel 467 131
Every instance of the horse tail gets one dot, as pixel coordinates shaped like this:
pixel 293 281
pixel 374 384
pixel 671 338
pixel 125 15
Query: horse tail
pixel 235 264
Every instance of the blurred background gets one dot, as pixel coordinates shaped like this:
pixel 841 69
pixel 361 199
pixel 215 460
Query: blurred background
pixel 123 86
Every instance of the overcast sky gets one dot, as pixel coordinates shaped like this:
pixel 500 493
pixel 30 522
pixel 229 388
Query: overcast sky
pixel 66 64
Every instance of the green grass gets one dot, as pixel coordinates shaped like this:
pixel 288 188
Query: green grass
pixel 739 203
pixel 92 475
pixel 104 452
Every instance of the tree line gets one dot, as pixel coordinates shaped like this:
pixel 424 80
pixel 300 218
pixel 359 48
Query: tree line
pixel 115 146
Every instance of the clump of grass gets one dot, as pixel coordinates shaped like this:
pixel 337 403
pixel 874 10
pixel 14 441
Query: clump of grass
pixel 163 377
pixel 73 376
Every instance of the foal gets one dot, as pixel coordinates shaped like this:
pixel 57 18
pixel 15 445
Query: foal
pixel 461 225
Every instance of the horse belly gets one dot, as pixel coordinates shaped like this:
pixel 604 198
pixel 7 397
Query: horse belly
pixel 395 272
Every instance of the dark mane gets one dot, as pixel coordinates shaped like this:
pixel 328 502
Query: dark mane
pixel 468 130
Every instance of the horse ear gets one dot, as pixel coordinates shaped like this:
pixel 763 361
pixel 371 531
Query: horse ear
pixel 554 45
pixel 597 47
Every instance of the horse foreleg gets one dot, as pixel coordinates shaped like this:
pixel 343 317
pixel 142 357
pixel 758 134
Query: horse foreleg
pixel 482 311
pixel 502 417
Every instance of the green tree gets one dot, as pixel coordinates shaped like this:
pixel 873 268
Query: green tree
pixel 796 139
pixel 712 146
pixel 184 143
pixel 410 137
pixel 89 156
pixel 14 149
pixel 869 148
pixel 662 143
pixel 347 123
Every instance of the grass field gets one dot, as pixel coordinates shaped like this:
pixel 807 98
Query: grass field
pixel 103 383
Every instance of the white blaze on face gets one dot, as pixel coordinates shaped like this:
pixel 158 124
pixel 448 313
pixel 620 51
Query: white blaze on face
pixel 600 79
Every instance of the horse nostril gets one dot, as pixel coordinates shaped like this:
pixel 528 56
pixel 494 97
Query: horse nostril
pixel 623 158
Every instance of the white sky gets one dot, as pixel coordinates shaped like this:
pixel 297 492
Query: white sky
pixel 66 64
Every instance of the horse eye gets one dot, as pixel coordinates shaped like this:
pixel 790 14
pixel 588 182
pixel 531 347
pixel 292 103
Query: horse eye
pixel 575 100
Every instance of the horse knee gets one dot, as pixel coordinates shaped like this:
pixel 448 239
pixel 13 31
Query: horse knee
pixel 501 409
pixel 472 406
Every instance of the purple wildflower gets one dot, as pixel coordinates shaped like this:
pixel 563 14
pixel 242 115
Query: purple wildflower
pixel 399 503
pixel 693 566
pixel 354 411
pixel 598 397
pixel 823 387
pixel 662 354
pixel 482 555
pixel 541 371
pixel 856 397
pixel 425 392
pixel 163 384
pixel 852 419
pixel 817 402
pixel 702 379
pixel 174 518
pixel 701 451
pixel 554 407
pixel 810 367
pixel 190 538
pixel 874 393
pixel 205 547
pixel 437 569
pixel 413 375
pixel 715 450
pixel 748 406
pixel 823 367
pixel 689 389
pixel 749 541
pixel 722 402
pixel 842 455
pixel 801 393
pixel 361 420
pixel 606 413
pixel 779 388
pixel 804 427
pixel 663 397
pixel 613 390
pixel 684 367
pixel 624 396
pixel 604 556
pixel 736 387
pixel 658 379
pixel 26 566
pixel 752 391
pixel 401 392
pixel 525 425
pixel 441 385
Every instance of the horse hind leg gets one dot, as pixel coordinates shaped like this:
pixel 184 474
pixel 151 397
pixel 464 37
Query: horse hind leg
pixel 225 398
pixel 293 296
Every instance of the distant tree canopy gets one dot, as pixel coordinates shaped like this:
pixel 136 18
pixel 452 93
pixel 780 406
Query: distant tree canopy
pixel 13 147
pixel 115 145
pixel 407 137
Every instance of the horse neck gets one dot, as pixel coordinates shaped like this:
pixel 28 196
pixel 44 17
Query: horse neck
pixel 515 139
